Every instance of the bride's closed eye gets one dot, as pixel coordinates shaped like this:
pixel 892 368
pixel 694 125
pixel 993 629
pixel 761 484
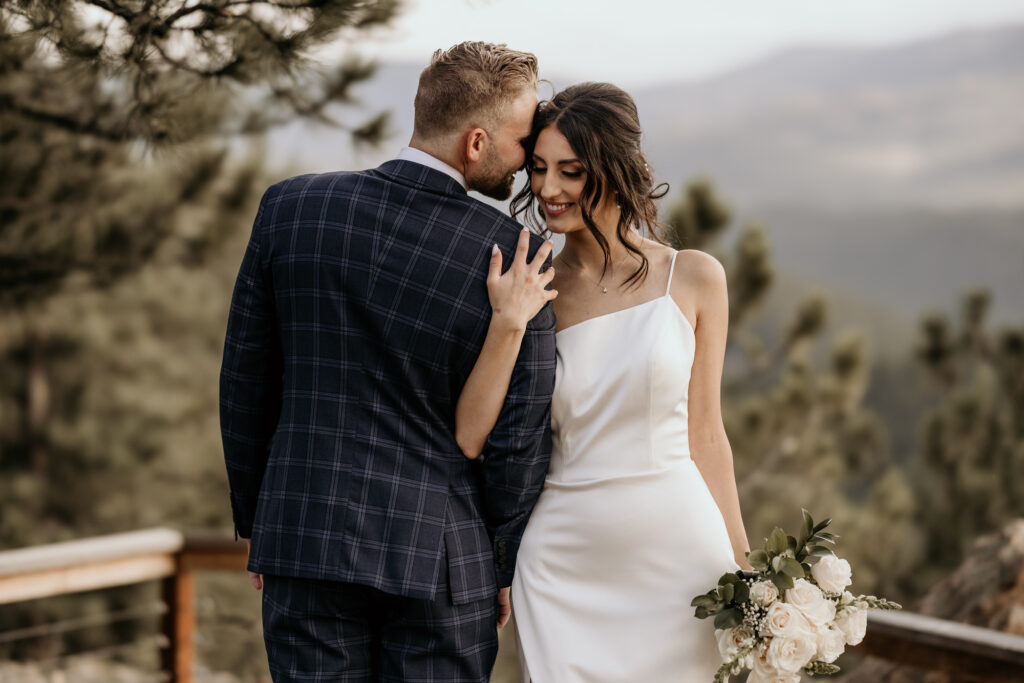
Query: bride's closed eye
pixel 568 174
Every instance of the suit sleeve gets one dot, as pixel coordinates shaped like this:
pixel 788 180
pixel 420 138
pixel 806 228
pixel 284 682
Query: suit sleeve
pixel 518 449
pixel 250 380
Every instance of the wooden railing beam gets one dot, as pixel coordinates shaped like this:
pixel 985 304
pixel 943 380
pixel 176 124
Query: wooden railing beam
pixel 179 624
pixel 966 652
pixel 969 653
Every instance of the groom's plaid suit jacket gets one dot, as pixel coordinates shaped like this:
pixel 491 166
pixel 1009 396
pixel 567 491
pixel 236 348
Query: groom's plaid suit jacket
pixel 358 313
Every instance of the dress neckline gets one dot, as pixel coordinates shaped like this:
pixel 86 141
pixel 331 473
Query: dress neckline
pixel 668 291
pixel 667 295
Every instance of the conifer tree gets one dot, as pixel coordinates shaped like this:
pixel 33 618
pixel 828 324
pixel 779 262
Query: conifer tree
pixel 972 439
pixel 130 167
pixel 800 432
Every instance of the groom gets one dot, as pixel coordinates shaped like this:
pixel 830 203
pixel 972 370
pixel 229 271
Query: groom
pixel 358 313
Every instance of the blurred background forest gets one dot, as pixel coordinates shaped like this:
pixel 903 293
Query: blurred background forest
pixel 868 205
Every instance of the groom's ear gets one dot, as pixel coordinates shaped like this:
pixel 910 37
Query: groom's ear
pixel 476 144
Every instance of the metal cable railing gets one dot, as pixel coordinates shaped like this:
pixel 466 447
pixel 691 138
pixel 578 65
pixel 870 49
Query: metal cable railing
pixel 966 653
pixel 69 625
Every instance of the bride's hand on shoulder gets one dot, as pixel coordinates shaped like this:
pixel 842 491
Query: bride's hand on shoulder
pixel 518 295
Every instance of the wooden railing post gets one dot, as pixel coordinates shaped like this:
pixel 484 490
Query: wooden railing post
pixel 179 624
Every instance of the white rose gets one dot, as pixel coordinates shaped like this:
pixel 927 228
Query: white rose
pixel 784 619
pixel 832 574
pixel 764 593
pixel 853 622
pixel 812 603
pixel 789 655
pixel 730 640
pixel 831 644
pixel 770 676
pixel 762 672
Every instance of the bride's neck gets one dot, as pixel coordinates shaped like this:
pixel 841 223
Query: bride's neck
pixel 582 252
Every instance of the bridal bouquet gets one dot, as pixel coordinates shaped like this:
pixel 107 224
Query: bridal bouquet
pixel 793 614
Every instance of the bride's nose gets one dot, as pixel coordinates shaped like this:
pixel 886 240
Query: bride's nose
pixel 549 188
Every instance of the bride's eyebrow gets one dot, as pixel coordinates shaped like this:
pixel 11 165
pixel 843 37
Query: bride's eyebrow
pixel 561 162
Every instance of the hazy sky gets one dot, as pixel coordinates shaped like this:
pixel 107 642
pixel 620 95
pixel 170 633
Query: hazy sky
pixel 637 42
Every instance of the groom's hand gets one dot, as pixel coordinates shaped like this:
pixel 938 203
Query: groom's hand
pixel 504 606
pixel 254 578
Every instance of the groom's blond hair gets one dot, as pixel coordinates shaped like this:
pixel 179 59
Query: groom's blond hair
pixel 471 83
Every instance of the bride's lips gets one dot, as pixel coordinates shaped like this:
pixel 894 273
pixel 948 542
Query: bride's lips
pixel 553 210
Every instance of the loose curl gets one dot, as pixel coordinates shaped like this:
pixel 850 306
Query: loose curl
pixel 601 124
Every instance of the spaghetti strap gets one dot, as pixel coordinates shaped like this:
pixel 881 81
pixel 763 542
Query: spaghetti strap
pixel 671 270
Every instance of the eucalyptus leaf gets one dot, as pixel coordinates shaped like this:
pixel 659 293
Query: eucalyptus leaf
pixel 728 619
pixel 758 559
pixel 791 567
pixel 782 582
pixel 821 525
pixel 703 601
pixel 727 592
pixel 742 592
pixel 702 613
pixel 821 668
pixel 729 578
pixel 777 541
pixel 808 522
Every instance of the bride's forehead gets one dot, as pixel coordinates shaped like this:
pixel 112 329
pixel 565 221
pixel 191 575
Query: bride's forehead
pixel 552 143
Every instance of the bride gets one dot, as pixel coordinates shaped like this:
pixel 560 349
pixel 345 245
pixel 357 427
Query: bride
pixel 640 511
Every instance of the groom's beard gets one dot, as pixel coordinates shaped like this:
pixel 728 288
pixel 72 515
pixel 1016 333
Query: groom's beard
pixel 501 189
pixel 495 182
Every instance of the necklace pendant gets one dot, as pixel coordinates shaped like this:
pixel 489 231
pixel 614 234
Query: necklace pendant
pixel 604 290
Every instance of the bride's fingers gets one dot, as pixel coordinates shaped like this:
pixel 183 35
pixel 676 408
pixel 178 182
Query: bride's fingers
pixel 542 255
pixel 547 276
pixel 522 248
pixel 494 267
pixel 550 294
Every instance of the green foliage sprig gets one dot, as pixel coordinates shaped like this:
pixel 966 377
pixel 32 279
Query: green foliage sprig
pixel 783 559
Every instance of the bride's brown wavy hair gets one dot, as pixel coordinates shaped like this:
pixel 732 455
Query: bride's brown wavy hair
pixel 601 124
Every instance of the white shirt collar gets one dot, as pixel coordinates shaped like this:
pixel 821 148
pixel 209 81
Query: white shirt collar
pixel 418 156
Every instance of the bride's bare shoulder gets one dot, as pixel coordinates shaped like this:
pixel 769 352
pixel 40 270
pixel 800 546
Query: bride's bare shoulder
pixel 696 269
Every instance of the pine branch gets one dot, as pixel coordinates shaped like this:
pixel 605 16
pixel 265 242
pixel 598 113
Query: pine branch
pixel 63 121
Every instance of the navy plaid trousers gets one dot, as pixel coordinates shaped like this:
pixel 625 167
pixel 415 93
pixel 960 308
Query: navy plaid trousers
pixel 325 631
pixel 359 310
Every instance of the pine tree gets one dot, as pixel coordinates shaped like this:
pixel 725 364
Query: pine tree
pixel 800 432
pixel 972 439
pixel 92 92
pixel 129 170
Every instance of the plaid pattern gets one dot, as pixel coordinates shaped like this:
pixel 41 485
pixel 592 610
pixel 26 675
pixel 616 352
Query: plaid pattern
pixel 325 631
pixel 358 312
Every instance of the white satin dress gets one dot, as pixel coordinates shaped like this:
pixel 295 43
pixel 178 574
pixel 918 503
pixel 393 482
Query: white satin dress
pixel 625 532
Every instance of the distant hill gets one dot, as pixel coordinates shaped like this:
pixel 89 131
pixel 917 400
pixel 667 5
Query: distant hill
pixel 892 175
pixel 932 123
pixel 906 261
pixel 935 123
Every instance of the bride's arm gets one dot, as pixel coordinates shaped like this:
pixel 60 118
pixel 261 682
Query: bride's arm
pixel 709 446
pixel 516 297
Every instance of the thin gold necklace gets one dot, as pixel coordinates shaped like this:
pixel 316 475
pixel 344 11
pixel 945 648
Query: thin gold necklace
pixel 604 290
